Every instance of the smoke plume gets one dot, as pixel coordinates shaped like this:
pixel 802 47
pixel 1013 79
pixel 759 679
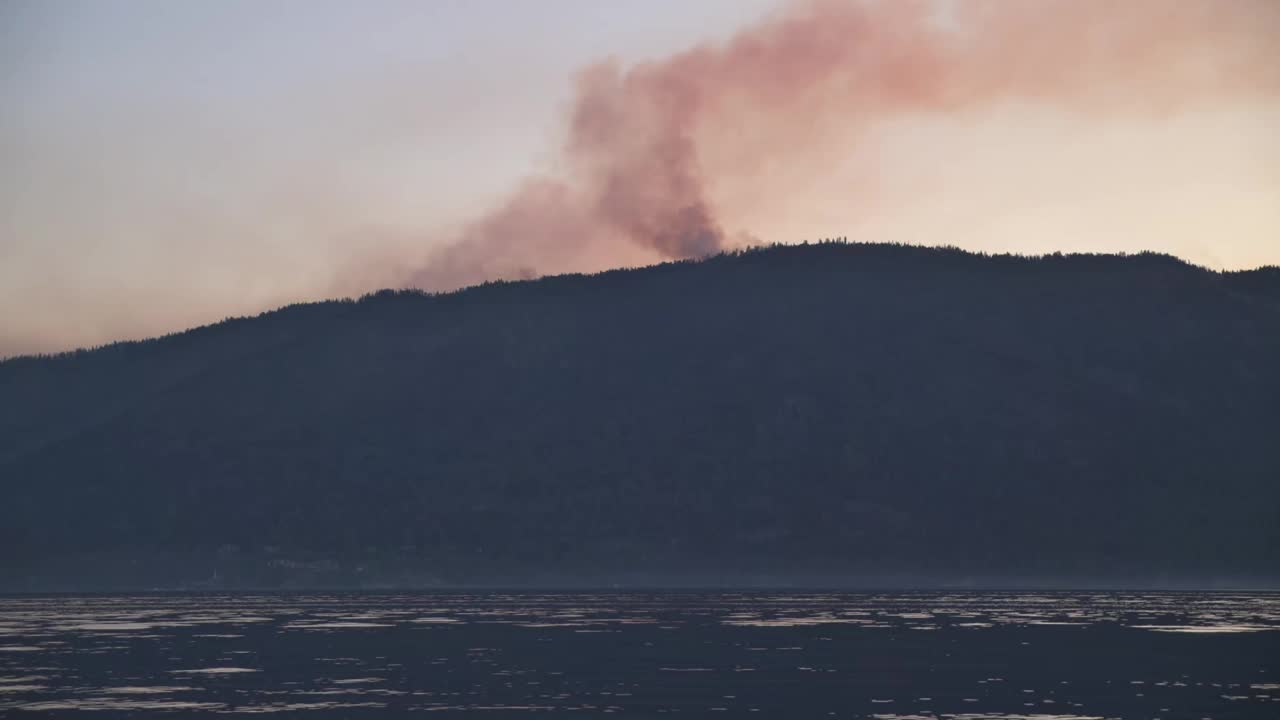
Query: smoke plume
pixel 646 143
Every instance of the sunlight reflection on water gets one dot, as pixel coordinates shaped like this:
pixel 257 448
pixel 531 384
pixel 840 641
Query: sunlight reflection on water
pixel 1057 656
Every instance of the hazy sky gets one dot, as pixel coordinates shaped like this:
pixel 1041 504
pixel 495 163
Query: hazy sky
pixel 165 164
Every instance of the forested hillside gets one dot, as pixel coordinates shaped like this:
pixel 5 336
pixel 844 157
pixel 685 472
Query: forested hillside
pixel 825 411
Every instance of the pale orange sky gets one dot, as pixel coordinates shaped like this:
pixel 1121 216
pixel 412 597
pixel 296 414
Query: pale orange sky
pixel 164 165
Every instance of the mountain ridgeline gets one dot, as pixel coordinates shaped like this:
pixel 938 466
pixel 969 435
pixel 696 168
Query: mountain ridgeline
pixel 820 414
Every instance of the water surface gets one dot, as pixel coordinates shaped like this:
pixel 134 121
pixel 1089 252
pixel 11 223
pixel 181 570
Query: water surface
pixel 892 656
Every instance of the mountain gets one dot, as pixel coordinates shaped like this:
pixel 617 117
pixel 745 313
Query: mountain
pixel 830 414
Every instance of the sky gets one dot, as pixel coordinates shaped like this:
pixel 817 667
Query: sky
pixel 169 164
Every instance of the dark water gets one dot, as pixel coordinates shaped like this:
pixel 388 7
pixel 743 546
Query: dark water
pixel 1059 656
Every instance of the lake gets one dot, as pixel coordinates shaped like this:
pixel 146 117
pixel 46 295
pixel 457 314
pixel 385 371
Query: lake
pixel 892 656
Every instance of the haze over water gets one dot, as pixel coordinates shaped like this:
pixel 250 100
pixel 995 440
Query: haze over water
pixel 890 656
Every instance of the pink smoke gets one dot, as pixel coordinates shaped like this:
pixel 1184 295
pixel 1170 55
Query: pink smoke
pixel 644 142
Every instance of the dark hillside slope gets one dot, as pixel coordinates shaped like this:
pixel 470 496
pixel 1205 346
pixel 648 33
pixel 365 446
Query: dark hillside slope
pixel 835 411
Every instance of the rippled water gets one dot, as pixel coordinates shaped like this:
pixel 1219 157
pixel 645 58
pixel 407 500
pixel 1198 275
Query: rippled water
pixel 900 656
